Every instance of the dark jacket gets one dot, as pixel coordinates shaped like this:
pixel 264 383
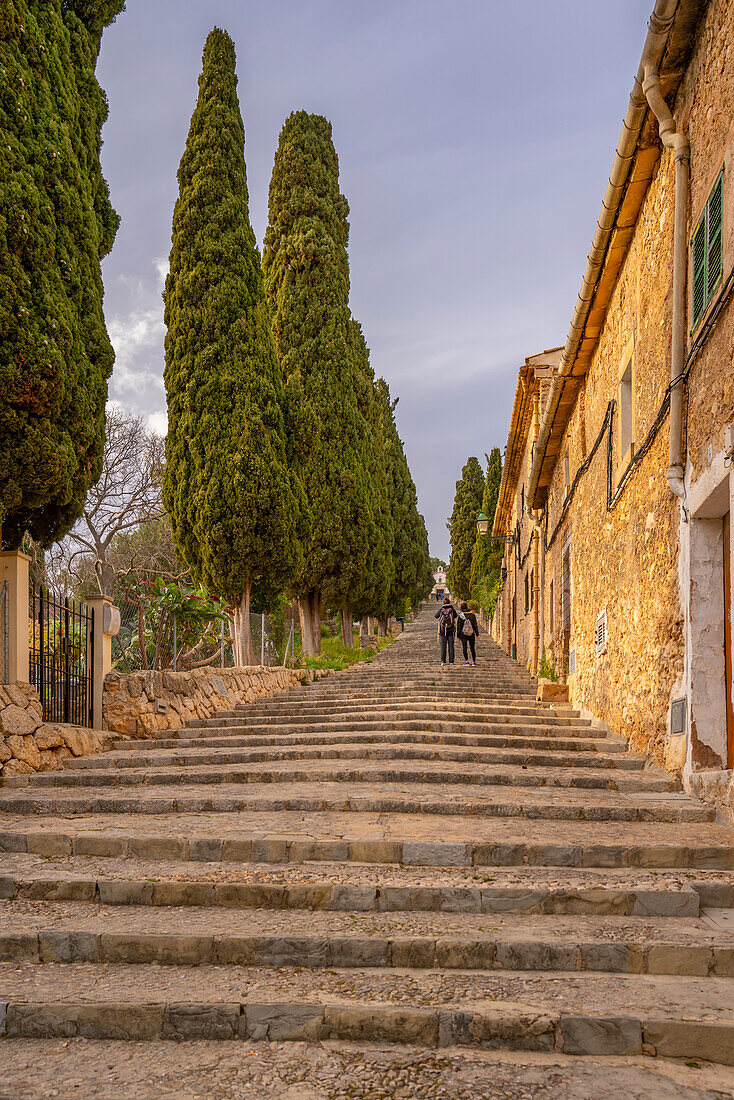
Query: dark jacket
pixel 453 622
pixel 472 619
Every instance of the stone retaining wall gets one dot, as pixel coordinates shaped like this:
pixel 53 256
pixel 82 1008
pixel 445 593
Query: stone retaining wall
pixel 146 704
pixel 28 744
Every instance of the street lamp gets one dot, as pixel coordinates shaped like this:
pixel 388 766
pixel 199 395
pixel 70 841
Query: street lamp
pixel 482 523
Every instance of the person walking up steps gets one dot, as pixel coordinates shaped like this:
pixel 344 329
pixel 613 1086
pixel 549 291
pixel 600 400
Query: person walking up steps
pixel 446 616
pixel 467 628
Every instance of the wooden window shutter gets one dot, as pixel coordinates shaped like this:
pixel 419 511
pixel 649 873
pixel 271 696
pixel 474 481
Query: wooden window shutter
pixel 707 251
pixel 714 237
pixel 699 269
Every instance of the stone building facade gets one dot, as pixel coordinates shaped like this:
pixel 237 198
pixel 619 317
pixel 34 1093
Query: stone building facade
pixel 632 582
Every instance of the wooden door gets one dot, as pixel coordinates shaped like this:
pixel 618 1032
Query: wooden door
pixel 727 645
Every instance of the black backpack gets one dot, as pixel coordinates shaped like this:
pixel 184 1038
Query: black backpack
pixel 446 621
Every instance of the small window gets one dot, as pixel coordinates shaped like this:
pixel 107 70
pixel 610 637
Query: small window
pixel 600 633
pixel 551 608
pixel 527 598
pixel 626 404
pixel 707 251
pixel 532 588
pixel 566 475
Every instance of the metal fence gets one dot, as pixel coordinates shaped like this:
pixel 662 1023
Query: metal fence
pixel 151 638
pixel 60 656
pixel 5 628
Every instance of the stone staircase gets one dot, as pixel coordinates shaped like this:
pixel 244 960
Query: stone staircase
pixel 400 853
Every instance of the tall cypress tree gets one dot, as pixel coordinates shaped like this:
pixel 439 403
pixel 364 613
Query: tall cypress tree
pixel 411 577
pixel 233 502
pixel 463 527
pixel 307 278
pixel 486 554
pixel 363 585
pixel 56 224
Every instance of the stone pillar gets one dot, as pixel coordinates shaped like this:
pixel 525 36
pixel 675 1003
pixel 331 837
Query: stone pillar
pixel 106 620
pixel 14 569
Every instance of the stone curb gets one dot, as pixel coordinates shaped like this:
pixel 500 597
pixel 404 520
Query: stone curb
pixel 267 849
pixel 346 897
pixel 495 1029
pixel 350 952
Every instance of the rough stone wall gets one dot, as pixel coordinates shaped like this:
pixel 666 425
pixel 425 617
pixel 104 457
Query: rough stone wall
pixel 146 704
pixel 28 744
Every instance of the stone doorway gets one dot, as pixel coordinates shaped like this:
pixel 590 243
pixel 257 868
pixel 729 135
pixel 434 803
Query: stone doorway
pixel 712 718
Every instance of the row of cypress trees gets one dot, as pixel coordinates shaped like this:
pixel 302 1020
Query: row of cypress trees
pixel 475 559
pixel 284 470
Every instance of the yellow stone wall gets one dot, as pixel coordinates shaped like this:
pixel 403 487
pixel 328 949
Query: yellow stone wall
pixel 627 559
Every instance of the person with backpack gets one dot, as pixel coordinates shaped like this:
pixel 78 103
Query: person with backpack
pixel 467 628
pixel 446 616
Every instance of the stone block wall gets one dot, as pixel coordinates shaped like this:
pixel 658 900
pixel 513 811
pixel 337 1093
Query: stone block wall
pixel 28 744
pixel 147 704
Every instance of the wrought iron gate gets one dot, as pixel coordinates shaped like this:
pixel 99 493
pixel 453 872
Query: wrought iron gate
pixel 61 656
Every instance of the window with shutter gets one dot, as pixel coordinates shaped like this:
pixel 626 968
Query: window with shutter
pixel 600 633
pixel 707 251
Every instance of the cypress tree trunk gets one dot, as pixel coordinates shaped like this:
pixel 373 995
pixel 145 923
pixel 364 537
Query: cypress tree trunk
pixel 347 632
pixel 309 610
pixel 245 654
pixel 382 627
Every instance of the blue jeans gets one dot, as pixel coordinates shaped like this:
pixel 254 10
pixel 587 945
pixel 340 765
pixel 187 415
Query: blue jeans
pixel 447 642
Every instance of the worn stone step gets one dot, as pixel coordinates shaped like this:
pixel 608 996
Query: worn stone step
pixel 197 756
pixel 519 888
pixel 107 890
pixel 400 840
pixel 499 725
pixel 69 932
pixel 223 740
pixel 593 1014
pixel 447 800
pixel 564 773
pixel 413 704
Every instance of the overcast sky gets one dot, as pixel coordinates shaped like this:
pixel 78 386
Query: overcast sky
pixel 474 142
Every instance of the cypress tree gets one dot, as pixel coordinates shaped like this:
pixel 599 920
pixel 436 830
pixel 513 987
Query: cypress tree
pixel 463 527
pixel 364 583
pixel 56 224
pixel 411 577
pixel 233 502
pixel 307 279
pixel 487 555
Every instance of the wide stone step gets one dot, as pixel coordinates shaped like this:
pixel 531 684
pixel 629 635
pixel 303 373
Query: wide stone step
pixel 588 1014
pixel 393 720
pixel 223 740
pixel 198 756
pixel 394 840
pixel 353 886
pixel 69 932
pixel 525 727
pixel 657 901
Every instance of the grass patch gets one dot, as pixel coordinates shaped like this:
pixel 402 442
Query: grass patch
pixel 335 655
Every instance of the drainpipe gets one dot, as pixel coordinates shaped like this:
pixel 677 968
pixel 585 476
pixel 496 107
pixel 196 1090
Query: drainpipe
pixel 659 26
pixel 678 142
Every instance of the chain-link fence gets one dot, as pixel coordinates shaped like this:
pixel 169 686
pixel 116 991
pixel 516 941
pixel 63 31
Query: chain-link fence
pixel 151 638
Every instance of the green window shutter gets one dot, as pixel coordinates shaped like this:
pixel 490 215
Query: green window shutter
pixel 714 243
pixel 699 269
pixel 707 251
